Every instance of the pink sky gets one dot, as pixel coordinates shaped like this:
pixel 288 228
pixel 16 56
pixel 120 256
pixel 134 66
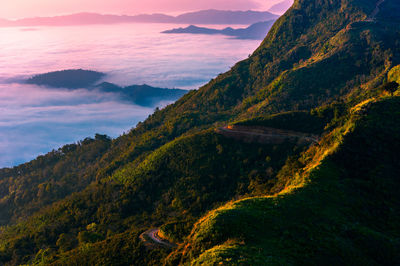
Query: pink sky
pixel 30 8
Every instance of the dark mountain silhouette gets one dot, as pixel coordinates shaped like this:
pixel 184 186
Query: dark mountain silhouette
pixel 213 16
pixel 256 31
pixel 90 18
pixel 143 95
pixel 199 17
pixel 70 79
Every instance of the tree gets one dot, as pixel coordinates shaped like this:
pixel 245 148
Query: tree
pixel 89 237
pixel 66 242
pixel 391 87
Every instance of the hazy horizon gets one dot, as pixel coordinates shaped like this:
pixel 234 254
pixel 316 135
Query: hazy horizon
pixel 143 13
pixel 44 8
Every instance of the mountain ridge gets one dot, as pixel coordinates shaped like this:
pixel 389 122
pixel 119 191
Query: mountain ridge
pixel 255 31
pixel 210 16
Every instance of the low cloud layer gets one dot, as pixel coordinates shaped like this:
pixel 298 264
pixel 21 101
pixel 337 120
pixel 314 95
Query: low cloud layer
pixel 35 120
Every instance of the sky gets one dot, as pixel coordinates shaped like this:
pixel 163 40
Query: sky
pixel 31 8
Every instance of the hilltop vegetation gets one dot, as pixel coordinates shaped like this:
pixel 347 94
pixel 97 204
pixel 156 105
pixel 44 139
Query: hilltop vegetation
pixel 394 74
pixel 73 79
pixel 320 70
pixel 143 95
pixel 168 186
pixel 29 187
pixel 70 79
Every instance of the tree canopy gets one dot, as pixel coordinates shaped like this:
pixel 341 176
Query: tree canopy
pixel 390 87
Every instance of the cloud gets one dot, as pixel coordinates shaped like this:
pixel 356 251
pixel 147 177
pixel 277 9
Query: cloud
pixel 35 120
pixel 40 105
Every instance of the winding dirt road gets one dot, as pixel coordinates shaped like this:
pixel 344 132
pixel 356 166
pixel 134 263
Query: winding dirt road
pixel 266 135
pixel 374 13
pixel 151 239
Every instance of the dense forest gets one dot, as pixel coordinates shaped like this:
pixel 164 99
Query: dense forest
pixel 328 68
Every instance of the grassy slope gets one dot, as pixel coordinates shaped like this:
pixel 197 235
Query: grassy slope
pixel 394 74
pixel 342 208
pixel 352 57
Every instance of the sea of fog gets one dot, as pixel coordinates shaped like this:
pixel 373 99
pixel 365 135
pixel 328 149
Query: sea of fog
pixel 34 120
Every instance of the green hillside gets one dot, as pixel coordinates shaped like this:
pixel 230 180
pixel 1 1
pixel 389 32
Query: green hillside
pixel 394 74
pixel 167 187
pixel 341 207
pixel 32 186
pixel 227 200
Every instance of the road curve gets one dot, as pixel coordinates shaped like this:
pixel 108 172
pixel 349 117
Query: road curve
pixel 374 13
pixel 151 238
pixel 265 135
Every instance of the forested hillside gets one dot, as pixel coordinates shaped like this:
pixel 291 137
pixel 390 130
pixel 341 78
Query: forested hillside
pixel 337 205
pixel 323 70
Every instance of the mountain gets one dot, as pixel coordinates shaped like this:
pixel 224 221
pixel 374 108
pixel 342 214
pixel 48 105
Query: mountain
pixel 91 18
pixel 289 158
pixel 281 7
pixel 212 16
pixel 199 17
pixel 70 79
pixel 256 31
pixel 143 95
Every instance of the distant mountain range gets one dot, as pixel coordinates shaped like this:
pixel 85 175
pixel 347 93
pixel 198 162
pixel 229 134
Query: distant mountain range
pixel 256 31
pixel 143 95
pixel 200 17
pixel 212 16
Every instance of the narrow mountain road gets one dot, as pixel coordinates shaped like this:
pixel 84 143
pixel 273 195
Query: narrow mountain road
pixel 374 13
pixel 152 239
pixel 266 135
pixel 253 134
